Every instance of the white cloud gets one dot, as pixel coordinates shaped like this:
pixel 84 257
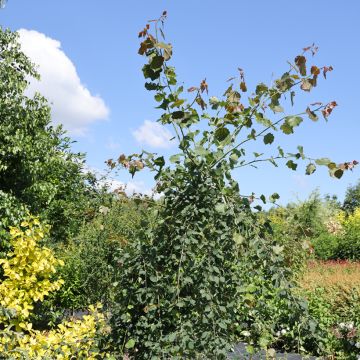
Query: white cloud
pixel 72 103
pixel 153 134
pixel 131 187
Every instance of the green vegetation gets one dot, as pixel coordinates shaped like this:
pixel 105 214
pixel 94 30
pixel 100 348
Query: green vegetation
pixel 38 171
pixel 194 272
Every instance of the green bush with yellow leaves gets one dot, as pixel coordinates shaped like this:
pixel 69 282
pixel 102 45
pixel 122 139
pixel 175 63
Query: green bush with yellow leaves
pixel 28 276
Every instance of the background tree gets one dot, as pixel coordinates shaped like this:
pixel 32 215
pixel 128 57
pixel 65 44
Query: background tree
pixel 38 171
pixel 352 198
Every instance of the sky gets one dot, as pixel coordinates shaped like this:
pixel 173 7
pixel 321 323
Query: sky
pixel 91 73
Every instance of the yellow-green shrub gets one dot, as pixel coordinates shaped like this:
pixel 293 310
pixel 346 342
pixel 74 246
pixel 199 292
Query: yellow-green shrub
pixel 28 271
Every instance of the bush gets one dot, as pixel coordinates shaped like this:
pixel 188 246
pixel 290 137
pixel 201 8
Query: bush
pixel 28 277
pixel 349 246
pixel 326 246
pixel 92 259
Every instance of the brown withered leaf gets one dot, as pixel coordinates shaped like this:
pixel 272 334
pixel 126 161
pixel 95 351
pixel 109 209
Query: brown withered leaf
pixel 243 86
pixel 313 48
pixel 242 74
pixel 329 108
pixel 121 158
pixel 326 69
pixel 300 62
pixel 193 88
pixel 306 84
pixel 204 86
pixel 348 165
pixel 201 102
pixel 315 70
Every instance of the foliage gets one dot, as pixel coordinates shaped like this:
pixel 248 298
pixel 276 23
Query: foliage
pixel 92 258
pixel 298 224
pixel 326 246
pixel 185 289
pixel 352 198
pixel 333 292
pixel 342 238
pixel 28 272
pixel 349 246
pixel 38 171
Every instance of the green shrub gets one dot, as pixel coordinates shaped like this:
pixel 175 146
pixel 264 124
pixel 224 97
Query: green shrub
pixel 92 259
pixel 326 246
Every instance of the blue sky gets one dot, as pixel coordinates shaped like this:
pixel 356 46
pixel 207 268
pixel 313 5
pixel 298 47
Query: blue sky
pixel 109 105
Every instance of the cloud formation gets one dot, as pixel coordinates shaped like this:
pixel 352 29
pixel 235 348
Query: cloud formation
pixel 153 134
pixel 72 103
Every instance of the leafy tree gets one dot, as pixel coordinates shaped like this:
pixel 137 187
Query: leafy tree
pixel 38 171
pixel 352 198
pixel 204 275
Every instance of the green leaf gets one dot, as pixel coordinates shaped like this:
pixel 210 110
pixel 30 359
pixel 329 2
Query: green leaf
pixel 294 120
pixel 277 108
pixel 277 249
pixel 234 157
pixel 263 198
pixel 177 115
pixel 156 62
pixel 130 344
pixel 220 208
pixel 274 197
pixel 291 165
pixel 310 169
pixel 338 173
pixel 177 103
pixel 159 161
pixel 200 151
pixel 150 73
pixel 221 134
pixel 323 161
pixel 301 151
pixel 286 128
pixel 151 86
pixel 175 158
pixel 312 115
pixel 269 138
pixel 238 238
pixel 292 95
pixel 281 151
